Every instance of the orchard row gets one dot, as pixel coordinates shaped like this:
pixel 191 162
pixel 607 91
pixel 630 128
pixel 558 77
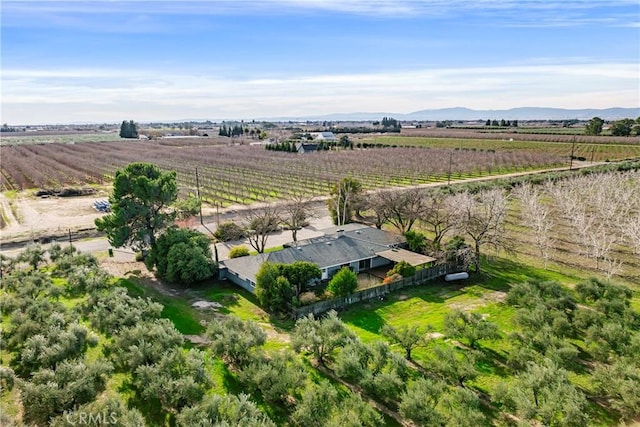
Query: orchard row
pixel 246 174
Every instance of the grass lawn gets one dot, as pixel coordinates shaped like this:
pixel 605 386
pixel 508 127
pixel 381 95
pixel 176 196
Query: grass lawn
pixel 185 318
pixel 425 305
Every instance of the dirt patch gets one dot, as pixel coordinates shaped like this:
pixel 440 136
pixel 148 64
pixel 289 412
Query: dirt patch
pixel 140 272
pixel 274 335
pixel 33 216
pixel 495 296
pixel 198 340
pixel 434 335
pixel 489 297
pixel 206 305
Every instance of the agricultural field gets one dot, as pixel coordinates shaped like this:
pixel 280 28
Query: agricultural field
pixel 57 137
pixel 245 174
pixel 589 151
pixel 478 376
pixel 529 341
pixel 532 134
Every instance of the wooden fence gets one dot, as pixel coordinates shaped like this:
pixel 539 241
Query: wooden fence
pixel 421 277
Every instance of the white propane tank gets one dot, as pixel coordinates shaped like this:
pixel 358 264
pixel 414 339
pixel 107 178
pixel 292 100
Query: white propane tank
pixel 456 276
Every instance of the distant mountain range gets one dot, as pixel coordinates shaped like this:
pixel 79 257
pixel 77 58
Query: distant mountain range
pixel 461 113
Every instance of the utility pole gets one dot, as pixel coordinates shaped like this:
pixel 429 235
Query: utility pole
pixel 573 147
pixel 449 174
pixel 215 241
pixel 198 193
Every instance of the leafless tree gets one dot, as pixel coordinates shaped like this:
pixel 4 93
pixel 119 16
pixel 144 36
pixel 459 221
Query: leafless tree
pixel 260 222
pixel 296 212
pixel 438 215
pixel 482 218
pixel 598 208
pixel 404 207
pixel 537 216
pixel 631 227
pixel 377 203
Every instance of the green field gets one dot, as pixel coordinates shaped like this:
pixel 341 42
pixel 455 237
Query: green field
pixel 595 151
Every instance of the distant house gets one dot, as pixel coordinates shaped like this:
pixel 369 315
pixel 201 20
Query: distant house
pixel 305 147
pixel 356 246
pixel 325 136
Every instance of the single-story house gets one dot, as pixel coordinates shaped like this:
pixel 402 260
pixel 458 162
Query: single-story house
pixel 356 246
pixel 304 147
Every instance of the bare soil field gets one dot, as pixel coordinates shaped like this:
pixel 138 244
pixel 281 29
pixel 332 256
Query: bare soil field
pixel 27 216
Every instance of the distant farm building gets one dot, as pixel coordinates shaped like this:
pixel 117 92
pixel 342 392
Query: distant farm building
pixel 325 136
pixel 304 147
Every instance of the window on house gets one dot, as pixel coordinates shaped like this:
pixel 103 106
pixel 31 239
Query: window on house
pixel 364 264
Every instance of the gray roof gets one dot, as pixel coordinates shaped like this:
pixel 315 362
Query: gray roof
pixel 355 242
pixel 326 135
pixel 307 146
pixel 368 234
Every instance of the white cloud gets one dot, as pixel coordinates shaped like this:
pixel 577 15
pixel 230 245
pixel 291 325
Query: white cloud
pixel 41 96
pixel 541 12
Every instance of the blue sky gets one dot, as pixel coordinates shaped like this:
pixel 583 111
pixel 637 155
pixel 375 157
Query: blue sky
pixel 105 61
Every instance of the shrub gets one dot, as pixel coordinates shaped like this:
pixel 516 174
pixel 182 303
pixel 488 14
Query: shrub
pixel 278 286
pixel 182 255
pixel 417 241
pixel 228 231
pixel 392 278
pixel 402 268
pixel 343 283
pixel 273 290
pixel 238 251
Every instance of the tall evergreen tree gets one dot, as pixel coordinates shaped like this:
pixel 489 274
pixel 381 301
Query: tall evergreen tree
pixel 128 129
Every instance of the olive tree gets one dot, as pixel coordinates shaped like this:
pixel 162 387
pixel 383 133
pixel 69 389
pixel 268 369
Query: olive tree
pixel 224 410
pixel 234 339
pixel 408 337
pixel 470 326
pixel 320 336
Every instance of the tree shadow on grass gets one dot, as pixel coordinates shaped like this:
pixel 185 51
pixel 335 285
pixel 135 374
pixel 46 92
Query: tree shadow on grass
pixel 499 274
pixel 491 362
pixel 437 291
pixel 364 316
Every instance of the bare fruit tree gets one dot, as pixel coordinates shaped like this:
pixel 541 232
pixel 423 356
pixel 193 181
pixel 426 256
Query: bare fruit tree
pixel 404 207
pixel 537 215
pixel 603 213
pixel 260 222
pixel 438 215
pixel 376 202
pixel 481 217
pixel 296 212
